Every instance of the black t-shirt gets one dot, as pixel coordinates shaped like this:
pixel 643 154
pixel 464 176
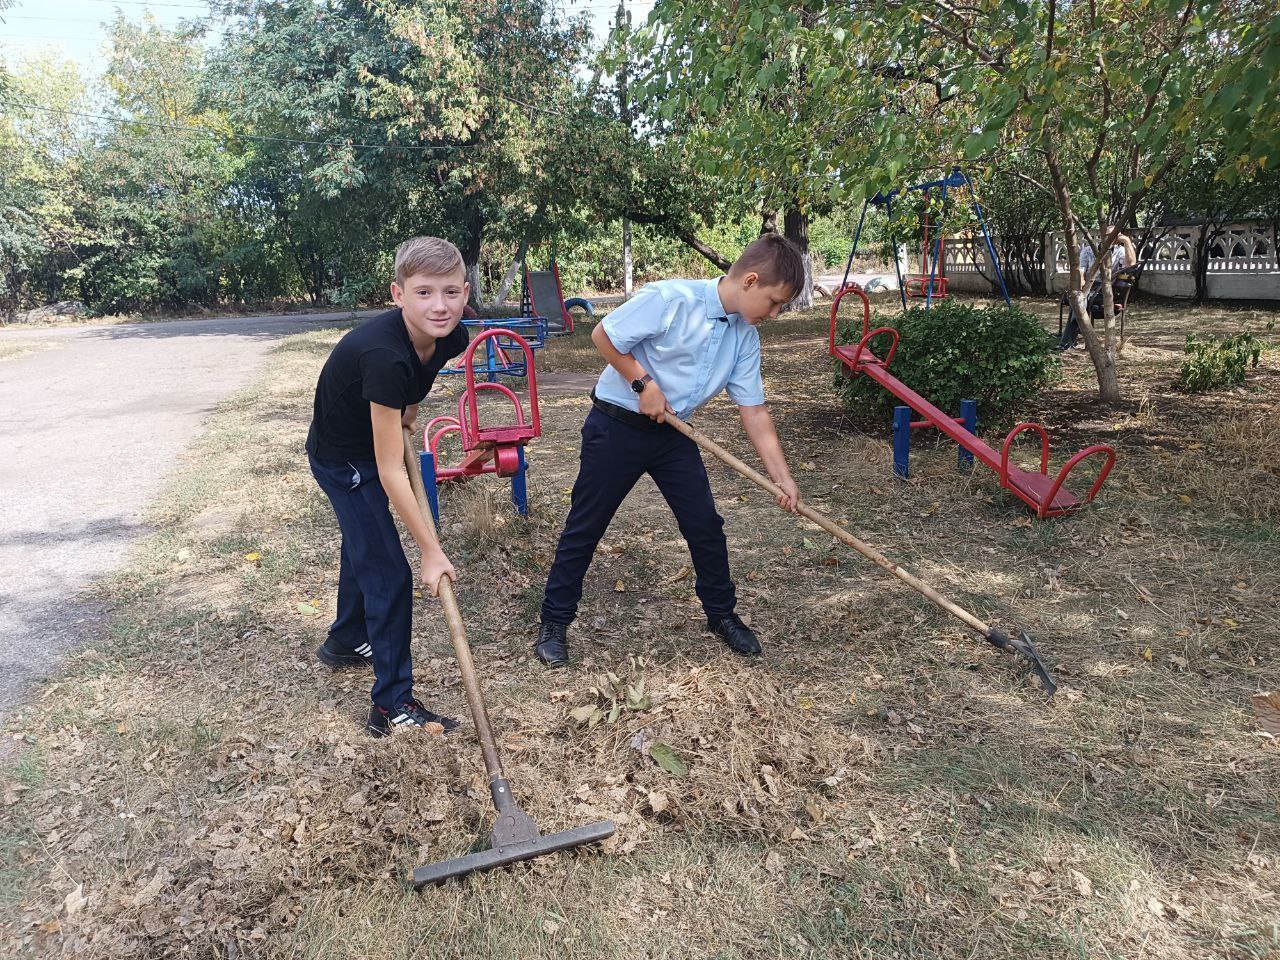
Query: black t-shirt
pixel 374 363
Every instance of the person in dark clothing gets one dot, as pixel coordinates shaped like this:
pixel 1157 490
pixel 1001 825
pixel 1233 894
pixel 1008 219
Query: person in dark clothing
pixel 1123 256
pixel 369 389
pixel 669 350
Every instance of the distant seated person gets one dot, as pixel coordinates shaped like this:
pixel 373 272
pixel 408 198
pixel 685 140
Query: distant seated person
pixel 1123 256
pixel 469 313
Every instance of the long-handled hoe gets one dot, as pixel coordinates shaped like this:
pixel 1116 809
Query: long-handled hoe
pixel 515 836
pixel 1020 644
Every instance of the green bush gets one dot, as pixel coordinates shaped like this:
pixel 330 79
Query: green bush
pixel 998 356
pixel 1211 364
pixel 830 238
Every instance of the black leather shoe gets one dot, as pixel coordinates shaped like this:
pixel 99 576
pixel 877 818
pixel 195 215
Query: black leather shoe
pixel 552 646
pixel 740 638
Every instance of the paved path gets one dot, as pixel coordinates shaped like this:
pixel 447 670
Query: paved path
pixel 90 426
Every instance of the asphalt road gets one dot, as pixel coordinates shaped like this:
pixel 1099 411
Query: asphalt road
pixel 90 426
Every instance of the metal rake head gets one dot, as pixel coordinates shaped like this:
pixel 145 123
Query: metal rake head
pixel 1021 644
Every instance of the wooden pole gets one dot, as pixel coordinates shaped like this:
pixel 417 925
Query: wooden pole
pixel 833 528
pixel 457 632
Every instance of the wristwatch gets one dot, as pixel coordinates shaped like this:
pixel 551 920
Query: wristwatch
pixel 638 385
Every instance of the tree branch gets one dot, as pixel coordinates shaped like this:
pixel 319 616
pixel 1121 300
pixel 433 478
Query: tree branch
pixel 682 233
pixel 1048 41
pixel 1031 180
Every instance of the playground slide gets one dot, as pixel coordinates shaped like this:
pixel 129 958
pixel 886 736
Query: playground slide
pixel 547 301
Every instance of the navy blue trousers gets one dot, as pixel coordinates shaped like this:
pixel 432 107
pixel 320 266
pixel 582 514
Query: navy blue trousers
pixel 375 583
pixel 614 456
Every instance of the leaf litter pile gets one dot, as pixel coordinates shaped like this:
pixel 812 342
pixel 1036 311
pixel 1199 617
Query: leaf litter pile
pixel 879 784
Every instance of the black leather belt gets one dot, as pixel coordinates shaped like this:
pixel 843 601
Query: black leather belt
pixel 629 417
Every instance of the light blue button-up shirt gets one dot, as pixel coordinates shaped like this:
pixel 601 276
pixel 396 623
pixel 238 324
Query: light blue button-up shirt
pixel 679 332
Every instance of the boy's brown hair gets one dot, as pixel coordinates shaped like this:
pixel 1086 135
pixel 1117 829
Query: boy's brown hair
pixel 429 255
pixel 775 259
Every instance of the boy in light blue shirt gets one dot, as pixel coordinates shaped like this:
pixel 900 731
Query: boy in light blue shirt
pixel 669 350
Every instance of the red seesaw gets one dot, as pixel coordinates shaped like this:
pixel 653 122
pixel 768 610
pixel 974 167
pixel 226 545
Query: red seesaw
pixel 1048 496
pixel 485 449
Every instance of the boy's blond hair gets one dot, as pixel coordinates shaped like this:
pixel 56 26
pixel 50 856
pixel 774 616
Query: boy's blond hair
pixel 429 255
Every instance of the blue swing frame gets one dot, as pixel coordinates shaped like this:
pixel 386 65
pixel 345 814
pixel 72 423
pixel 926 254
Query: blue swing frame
pixel 956 179
pixel 534 331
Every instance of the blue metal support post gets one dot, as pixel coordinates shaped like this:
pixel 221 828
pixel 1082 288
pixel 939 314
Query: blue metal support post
pixel 937 249
pixel 969 413
pixel 491 353
pixel 902 441
pixel 897 264
pixel 857 235
pixel 519 488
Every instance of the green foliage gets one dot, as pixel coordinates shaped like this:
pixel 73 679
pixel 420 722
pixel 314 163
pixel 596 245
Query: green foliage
pixel 831 236
pixel 998 356
pixel 1092 103
pixel 153 205
pixel 592 259
pixel 1212 363
pixel 916 211
pixel 40 182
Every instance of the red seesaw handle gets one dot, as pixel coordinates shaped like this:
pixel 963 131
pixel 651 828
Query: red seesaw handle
pixel 835 307
pixel 1098 448
pixel 1008 445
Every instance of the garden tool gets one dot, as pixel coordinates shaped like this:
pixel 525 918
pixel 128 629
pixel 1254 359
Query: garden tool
pixel 1018 644
pixel 515 836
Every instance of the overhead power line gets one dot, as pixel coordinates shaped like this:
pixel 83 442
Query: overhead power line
pixel 98 21
pixel 15 37
pixel 150 3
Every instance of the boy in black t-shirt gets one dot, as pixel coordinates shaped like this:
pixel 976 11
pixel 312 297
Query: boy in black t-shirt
pixel 370 386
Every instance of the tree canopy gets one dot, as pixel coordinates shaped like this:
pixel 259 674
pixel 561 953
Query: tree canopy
pixel 290 155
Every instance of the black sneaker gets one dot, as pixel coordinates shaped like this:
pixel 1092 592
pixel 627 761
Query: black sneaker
pixel 408 715
pixel 333 654
pixel 552 645
pixel 740 638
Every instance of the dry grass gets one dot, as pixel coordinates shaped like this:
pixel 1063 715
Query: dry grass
pixel 879 785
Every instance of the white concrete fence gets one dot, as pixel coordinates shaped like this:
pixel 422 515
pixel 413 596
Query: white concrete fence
pixel 1242 262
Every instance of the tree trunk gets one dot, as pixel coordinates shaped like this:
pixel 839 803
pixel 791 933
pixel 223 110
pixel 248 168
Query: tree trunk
pixel 313 276
pixel 1037 277
pixel 473 278
pixel 473 239
pixel 1111 335
pixel 509 278
pixel 1011 253
pixel 1200 265
pixel 1210 232
pixel 627 271
pixel 1104 362
pixel 795 227
pixel 768 221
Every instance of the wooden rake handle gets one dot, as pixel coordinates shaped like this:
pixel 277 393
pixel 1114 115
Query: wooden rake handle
pixel 457 632
pixel 833 528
